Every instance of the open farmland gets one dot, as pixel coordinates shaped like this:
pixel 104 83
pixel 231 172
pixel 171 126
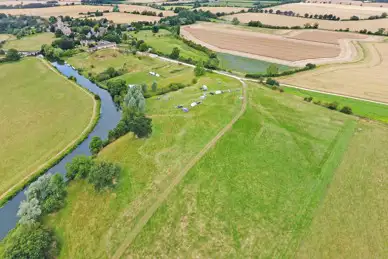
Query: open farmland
pixel 282 20
pixel 342 11
pixel 282 49
pixel 25 2
pixel 128 18
pixel 74 11
pixel 30 43
pixel 241 200
pixel 226 10
pixel 41 114
pixel 164 41
pixel 325 36
pixel 364 79
pixel 149 167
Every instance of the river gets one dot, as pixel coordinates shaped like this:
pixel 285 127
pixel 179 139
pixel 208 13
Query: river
pixel 109 118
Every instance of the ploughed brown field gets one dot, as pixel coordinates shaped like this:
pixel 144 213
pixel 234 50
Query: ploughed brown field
pixel 364 79
pixel 282 20
pixel 340 10
pixel 260 44
pixel 325 36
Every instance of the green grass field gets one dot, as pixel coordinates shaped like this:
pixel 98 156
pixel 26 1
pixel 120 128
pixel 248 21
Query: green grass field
pixel 164 42
pixel 4 37
pixel 40 114
pixel 245 65
pixel 365 109
pixel 149 165
pixel 256 192
pixel 30 43
pixel 137 68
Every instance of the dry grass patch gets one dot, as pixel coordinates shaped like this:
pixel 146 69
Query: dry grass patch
pixel 342 11
pixel 365 79
pixel 325 36
pixel 282 20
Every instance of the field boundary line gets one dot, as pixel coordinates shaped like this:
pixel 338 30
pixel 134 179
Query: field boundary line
pixel 4 197
pixel 161 198
pixel 330 93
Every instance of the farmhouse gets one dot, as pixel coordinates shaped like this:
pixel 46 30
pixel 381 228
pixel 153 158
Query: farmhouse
pixel 103 45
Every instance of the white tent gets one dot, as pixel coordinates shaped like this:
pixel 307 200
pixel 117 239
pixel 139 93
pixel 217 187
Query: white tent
pixel 193 104
pixel 218 92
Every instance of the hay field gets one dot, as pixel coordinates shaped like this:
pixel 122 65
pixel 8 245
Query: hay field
pixel 30 43
pixel 281 49
pixel 128 18
pixel 364 79
pixel 282 20
pixel 41 113
pixel 342 11
pixel 74 11
pixel 222 9
pixel 24 2
pixel 325 36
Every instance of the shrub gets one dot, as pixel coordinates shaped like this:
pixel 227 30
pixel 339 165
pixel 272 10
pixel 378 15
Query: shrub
pixel 29 241
pixel 199 69
pixel 272 82
pixel 103 175
pixel 308 99
pixel 346 110
pixel 332 105
pixel 95 145
pixel 79 167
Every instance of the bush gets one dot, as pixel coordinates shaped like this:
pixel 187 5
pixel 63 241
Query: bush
pixel 308 99
pixel 199 69
pixel 194 81
pixel 272 82
pixel 95 145
pixel 346 110
pixel 104 175
pixel 332 105
pixel 79 167
pixel 29 241
pixel 175 53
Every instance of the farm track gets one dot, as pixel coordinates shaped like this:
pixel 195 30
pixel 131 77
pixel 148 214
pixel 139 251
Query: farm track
pixel 161 198
pixel 59 154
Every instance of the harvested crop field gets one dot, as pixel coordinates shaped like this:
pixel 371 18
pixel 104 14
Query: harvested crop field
pixel 339 10
pixel 222 9
pixel 364 79
pixel 128 18
pixel 74 11
pixel 60 2
pixel 281 49
pixel 325 36
pixel 282 20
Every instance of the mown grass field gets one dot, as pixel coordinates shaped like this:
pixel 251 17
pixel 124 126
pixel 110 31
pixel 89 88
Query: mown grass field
pixel 137 68
pixel 365 109
pixel 149 165
pixel 245 65
pixel 30 43
pixel 165 42
pixel 4 37
pixel 40 114
pixel 256 192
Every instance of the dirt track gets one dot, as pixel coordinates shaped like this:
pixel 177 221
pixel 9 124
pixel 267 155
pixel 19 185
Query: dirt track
pixel 163 196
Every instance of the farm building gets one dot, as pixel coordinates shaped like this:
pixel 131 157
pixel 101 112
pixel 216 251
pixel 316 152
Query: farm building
pixel 103 45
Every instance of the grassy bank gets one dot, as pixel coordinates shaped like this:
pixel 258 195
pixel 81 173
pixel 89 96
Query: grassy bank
pixel 44 112
pixel 365 109
pixel 30 43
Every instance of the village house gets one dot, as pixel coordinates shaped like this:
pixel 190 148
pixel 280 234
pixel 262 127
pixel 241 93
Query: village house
pixel 103 44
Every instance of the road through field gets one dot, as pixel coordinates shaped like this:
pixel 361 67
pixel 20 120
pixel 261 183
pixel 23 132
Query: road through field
pixel 154 207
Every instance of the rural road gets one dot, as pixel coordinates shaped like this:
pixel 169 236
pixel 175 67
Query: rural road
pixel 162 197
